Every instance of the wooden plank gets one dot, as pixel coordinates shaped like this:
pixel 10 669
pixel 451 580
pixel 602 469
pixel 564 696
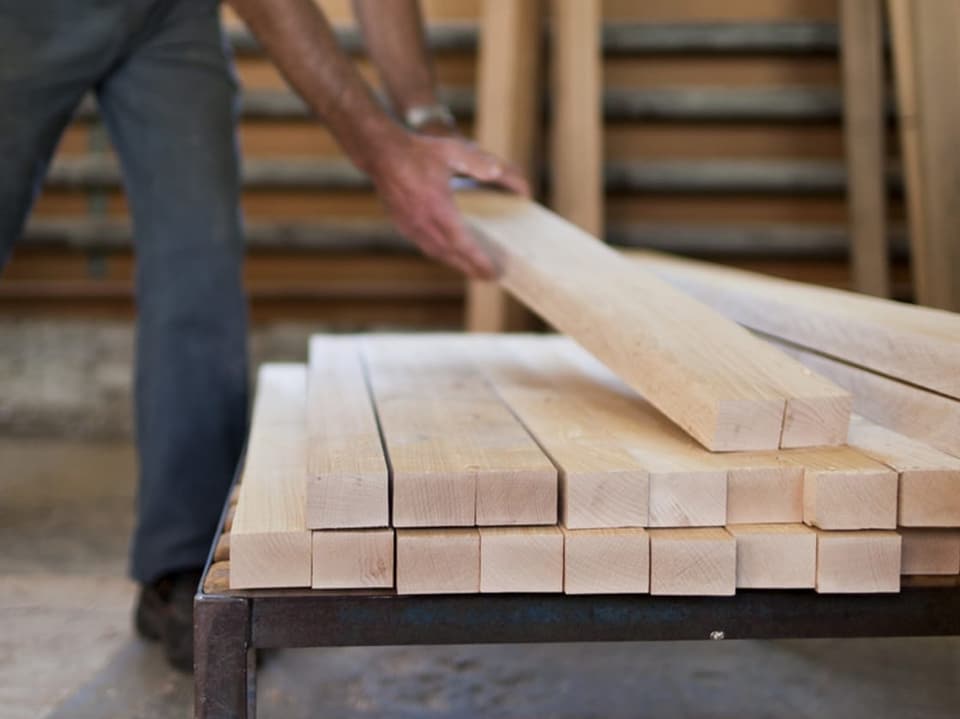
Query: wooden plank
pixel 438 561
pixel 601 483
pixel 763 488
pixel 458 455
pixel 775 556
pixel 622 462
pixel 864 121
pixel 704 373
pixel 353 559
pixel 915 344
pixel 930 551
pixel 699 561
pixel 929 493
pixel 507 124
pixel 521 559
pixel 269 540
pixel 844 489
pixel 348 484
pixel 926 38
pixel 576 132
pixel 858 562
pixel 915 412
pixel 606 561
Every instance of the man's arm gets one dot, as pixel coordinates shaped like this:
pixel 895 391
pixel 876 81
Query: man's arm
pixel 412 173
pixel 394 35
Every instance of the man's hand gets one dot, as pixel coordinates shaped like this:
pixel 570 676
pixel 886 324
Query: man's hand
pixel 412 176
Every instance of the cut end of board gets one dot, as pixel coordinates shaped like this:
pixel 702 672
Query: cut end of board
pixel 354 501
pixel 352 559
pixel 605 499
pixel 438 561
pixel 691 498
pixel 745 426
pixel 521 559
pixel 422 499
pixel 858 562
pixel 265 560
pixel 688 562
pixel 517 498
pixel 817 421
pixel 606 561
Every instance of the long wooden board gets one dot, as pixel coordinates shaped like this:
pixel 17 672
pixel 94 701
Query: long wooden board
pixel 576 132
pixel 705 373
pixel 621 462
pixel 438 561
pixel 348 484
pixel 508 122
pixel 915 344
pixel 458 456
pixel 693 562
pixel 270 545
pixel 915 412
pixel 353 559
pixel 521 559
pixel 606 561
pixel 775 556
pixel 864 126
pixel 929 494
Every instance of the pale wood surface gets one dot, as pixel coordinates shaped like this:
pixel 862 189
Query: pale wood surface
pixel 864 123
pixel 915 412
pixel 508 124
pixel 521 559
pixel 915 344
pixel 763 488
pixel 858 562
pixel 269 541
pixel 930 551
pixel 845 489
pixel 929 493
pixel 606 561
pixel 348 484
pixel 458 455
pixel 611 444
pixel 775 556
pixel 576 131
pixel 438 561
pixel 699 561
pixel 926 39
pixel 704 372
pixel 353 559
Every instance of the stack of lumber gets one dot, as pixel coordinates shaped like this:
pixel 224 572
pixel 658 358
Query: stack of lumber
pixel 490 463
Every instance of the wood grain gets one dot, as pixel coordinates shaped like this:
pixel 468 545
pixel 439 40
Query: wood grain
pixel 699 561
pixel 702 371
pixel 458 455
pixel 269 541
pixel 915 344
pixel 930 551
pixel 775 556
pixel 929 494
pixel 915 412
pixel 606 561
pixel 438 561
pixel 348 483
pixel 521 559
pixel 763 488
pixel 353 559
pixel 858 562
pixel 845 489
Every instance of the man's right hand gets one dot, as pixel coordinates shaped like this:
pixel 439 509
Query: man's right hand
pixel 412 174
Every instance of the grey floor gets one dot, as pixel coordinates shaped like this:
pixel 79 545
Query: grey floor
pixel 66 649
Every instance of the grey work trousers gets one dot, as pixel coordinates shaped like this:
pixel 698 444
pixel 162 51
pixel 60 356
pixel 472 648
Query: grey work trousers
pixel 165 87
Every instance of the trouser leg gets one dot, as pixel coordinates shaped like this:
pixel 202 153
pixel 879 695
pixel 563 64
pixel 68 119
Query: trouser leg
pixel 48 60
pixel 169 107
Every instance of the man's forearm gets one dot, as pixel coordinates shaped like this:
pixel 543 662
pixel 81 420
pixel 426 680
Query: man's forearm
pixel 394 36
pixel 301 42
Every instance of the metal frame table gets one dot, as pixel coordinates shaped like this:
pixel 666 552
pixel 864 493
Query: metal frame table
pixel 229 626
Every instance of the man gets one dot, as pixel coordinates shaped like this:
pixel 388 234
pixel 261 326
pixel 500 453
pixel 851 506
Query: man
pixel 166 91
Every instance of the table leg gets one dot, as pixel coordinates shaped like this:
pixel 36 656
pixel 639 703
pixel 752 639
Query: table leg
pixel 224 662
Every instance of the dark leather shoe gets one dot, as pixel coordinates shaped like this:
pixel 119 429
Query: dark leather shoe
pixel 165 613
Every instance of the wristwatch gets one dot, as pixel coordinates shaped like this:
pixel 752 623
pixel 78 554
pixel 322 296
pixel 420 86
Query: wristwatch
pixel 419 116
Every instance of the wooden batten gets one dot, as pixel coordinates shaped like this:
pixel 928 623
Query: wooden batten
pixel 347 485
pixel 775 556
pixel 438 561
pixel 353 559
pixel 858 562
pixel 270 545
pixel 606 561
pixel 930 551
pixel 699 561
pixel 521 559
pixel 709 376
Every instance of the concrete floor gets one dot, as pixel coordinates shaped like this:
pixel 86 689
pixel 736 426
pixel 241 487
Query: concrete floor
pixel 66 650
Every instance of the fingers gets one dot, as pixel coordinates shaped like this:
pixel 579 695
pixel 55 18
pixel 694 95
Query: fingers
pixel 466 159
pixel 443 236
